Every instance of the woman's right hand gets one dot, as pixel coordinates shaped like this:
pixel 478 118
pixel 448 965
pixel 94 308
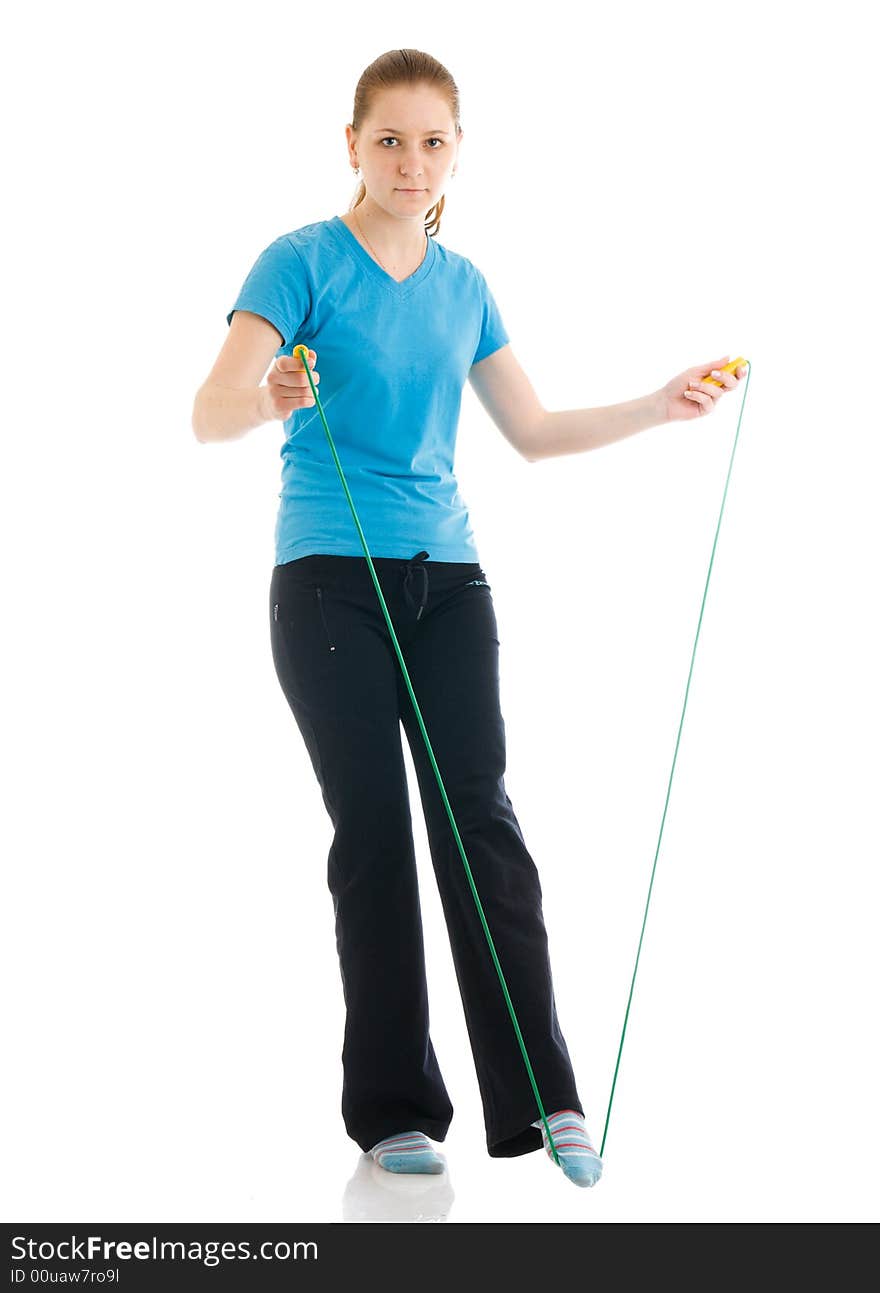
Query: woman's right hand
pixel 288 386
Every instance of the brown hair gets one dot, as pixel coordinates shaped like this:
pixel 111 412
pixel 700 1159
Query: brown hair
pixel 404 67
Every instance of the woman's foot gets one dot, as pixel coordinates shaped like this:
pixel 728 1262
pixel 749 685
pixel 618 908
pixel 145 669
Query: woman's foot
pixel 577 1157
pixel 411 1151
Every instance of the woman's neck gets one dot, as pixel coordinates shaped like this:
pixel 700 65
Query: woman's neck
pixel 397 243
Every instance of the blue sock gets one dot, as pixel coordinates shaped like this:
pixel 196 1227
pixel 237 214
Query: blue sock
pixel 577 1157
pixel 411 1151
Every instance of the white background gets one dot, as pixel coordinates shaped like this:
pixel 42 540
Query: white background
pixel 658 187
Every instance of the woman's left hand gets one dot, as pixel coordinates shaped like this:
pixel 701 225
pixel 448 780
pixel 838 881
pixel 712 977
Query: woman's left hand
pixel 689 396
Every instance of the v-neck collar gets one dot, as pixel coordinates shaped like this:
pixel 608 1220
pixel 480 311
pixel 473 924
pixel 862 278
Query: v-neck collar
pixel 363 257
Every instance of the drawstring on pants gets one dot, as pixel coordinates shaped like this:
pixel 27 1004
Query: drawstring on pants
pixel 413 566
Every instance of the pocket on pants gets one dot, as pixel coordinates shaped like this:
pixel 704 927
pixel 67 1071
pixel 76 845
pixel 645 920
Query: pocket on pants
pixel 480 588
pixel 320 593
pixel 289 606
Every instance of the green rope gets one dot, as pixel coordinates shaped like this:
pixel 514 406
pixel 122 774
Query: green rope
pixel 303 353
pixel 674 757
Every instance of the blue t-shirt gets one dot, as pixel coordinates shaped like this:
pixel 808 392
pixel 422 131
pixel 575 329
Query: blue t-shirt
pixel 393 359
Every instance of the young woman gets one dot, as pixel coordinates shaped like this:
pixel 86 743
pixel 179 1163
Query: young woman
pixel 400 322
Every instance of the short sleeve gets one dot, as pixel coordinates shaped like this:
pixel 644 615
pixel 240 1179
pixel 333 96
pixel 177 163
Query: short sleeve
pixel 277 288
pixel 493 334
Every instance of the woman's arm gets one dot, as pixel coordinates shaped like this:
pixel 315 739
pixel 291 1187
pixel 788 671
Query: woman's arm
pixel 509 398
pixel 231 401
pixel 575 430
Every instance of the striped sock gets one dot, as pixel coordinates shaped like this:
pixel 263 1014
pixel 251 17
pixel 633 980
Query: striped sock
pixel 577 1157
pixel 409 1152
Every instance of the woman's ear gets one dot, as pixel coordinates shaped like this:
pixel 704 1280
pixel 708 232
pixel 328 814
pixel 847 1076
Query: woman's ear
pixel 352 145
pixel 459 138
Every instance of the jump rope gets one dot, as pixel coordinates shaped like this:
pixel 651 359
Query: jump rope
pixel 303 353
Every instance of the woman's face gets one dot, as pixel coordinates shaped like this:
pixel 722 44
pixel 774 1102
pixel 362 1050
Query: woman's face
pixel 406 148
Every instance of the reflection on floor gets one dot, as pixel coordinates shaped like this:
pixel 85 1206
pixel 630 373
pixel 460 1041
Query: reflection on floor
pixel 375 1194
